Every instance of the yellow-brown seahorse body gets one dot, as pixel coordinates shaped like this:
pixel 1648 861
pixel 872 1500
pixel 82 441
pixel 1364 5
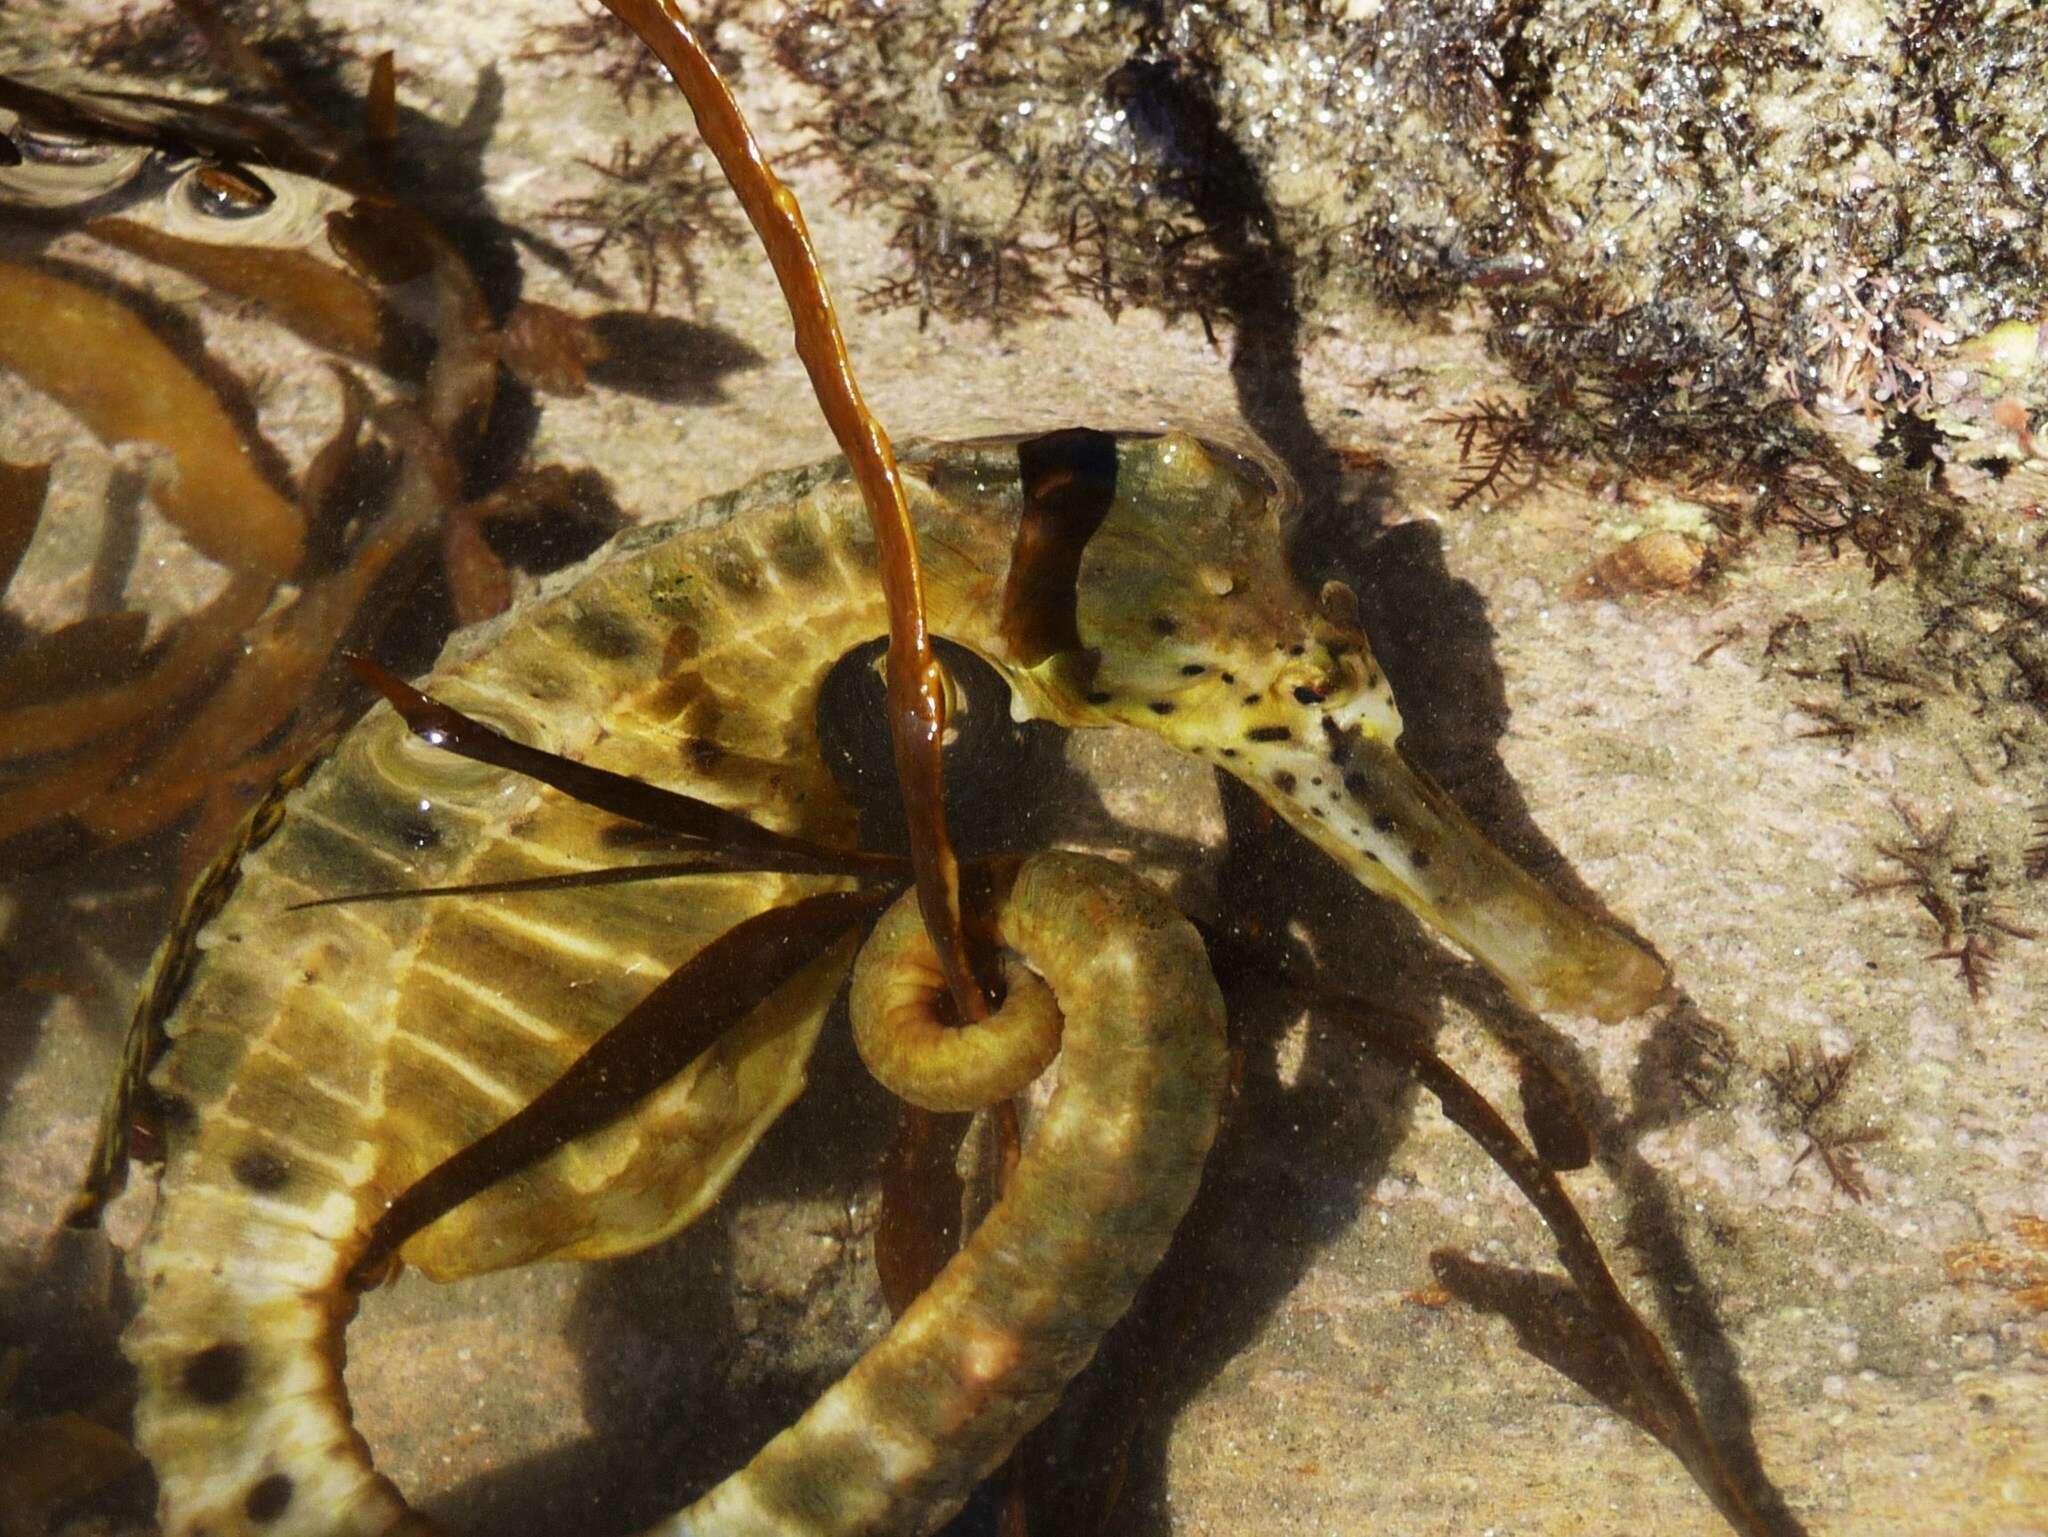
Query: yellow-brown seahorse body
pixel 316 1063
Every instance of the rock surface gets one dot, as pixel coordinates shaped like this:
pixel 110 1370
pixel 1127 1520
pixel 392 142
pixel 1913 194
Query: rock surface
pixel 1796 783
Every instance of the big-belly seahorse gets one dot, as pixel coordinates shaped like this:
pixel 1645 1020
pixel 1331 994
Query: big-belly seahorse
pixel 315 1063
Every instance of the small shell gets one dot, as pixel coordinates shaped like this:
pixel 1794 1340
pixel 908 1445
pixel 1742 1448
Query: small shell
pixel 1662 560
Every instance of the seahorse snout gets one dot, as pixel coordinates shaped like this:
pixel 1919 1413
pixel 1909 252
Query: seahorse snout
pixel 1354 796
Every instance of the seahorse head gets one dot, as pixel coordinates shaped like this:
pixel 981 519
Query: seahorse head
pixel 1187 622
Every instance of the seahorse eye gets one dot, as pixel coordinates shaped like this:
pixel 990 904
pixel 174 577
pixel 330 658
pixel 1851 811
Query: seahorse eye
pixel 1310 681
pixel 223 191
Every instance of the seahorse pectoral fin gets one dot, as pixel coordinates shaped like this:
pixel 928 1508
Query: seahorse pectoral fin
pixel 1403 837
pixel 661 1165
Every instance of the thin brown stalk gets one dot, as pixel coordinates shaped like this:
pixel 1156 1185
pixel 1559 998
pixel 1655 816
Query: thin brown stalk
pixel 916 685
pixel 1654 1396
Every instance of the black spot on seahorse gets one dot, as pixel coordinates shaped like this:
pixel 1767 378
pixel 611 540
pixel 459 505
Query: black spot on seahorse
pixel 1339 740
pixel 1269 734
pixel 1160 706
pixel 1100 696
pixel 796 551
pixel 1192 669
pixel 1284 783
pixel 605 636
pixel 1165 624
pixel 737 571
pixel 261 1170
pixel 1419 859
pixel 216 1375
pixel 268 1498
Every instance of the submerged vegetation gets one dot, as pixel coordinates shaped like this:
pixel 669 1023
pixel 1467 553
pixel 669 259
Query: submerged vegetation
pixel 158 40
pixel 115 727
pixel 1017 169
pixel 1823 203
pixel 1807 1087
pixel 1960 892
pixel 651 207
